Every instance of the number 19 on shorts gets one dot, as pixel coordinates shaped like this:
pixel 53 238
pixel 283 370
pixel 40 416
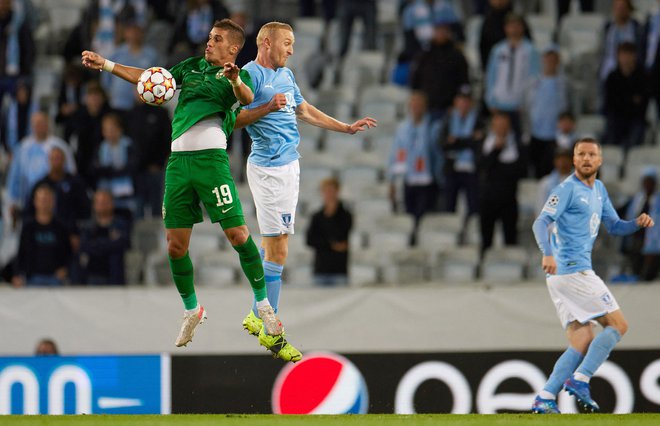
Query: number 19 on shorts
pixel 223 194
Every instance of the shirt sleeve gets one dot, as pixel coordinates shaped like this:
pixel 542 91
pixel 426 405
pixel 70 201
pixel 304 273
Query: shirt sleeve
pixel 177 72
pixel 297 96
pixel 612 221
pixel 255 84
pixel 555 205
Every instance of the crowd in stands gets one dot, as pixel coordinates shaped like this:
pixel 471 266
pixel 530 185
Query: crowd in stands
pixel 490 103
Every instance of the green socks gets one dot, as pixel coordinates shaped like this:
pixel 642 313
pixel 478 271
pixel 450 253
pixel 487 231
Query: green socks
pixel 182 272
pixel 252 267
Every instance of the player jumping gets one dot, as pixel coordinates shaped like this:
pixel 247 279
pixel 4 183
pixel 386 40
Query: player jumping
pixel 213 89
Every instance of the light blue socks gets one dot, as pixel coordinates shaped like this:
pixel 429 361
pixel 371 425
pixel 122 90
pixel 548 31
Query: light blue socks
pixel 273 278
pixel 598 351
pixel 564 367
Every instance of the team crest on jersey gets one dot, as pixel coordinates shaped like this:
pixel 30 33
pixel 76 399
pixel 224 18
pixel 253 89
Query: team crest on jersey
pixel 286 219
pixel 219 75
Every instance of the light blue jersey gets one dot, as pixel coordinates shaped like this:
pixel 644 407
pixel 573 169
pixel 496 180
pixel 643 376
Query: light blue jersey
pixel 577 211
pixel 275 136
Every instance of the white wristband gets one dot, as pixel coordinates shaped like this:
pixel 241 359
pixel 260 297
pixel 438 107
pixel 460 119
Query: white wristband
pixel 108 65
pixel 237 82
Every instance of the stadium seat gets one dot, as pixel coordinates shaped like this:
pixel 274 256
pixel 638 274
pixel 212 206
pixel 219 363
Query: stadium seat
pixel 216 268
pixel 148 236
pixel 407 266
pixel 590 125
pixel 611 169
pixel 542 28
pixel 528 193
pixel 581 33
pixel 439 230
pixel 133 266
pixel 504 265
pixel 456 265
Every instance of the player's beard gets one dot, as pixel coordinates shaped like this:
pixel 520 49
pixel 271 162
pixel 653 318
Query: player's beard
pixel 587 174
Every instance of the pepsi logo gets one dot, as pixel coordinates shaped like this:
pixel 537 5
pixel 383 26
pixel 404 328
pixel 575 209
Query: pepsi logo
pixel 322 383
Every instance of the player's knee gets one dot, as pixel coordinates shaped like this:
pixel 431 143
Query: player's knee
pixel 175 249
pixel 238 235
pixel 621 326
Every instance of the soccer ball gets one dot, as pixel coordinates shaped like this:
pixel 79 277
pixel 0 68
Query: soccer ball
pixel 156 86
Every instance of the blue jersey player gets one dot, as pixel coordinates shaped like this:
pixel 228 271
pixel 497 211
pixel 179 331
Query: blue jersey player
pixel 577 207
pixel 273 171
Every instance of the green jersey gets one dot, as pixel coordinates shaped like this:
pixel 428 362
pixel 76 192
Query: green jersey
pixel 205 92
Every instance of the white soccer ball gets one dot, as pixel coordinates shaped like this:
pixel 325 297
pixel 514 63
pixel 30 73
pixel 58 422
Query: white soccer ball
pixel 156 86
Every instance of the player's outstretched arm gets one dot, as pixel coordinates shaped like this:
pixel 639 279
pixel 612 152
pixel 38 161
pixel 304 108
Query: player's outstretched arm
pixel 95 61
pixel 312 115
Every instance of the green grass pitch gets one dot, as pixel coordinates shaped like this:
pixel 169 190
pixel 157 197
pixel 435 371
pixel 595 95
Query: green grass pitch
pixel 358 420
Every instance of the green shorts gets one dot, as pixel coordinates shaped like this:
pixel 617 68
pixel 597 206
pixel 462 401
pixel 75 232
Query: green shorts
pixel 203 176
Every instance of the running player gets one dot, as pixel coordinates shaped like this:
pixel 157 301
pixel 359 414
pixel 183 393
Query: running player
pixel 273 171
pixel 577 207
pixel 213 89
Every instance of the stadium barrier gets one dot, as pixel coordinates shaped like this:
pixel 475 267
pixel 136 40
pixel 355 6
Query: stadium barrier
pixel 323 383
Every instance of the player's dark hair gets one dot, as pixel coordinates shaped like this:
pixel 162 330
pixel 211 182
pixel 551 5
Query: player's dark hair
pixel 235 31
pixel 587 139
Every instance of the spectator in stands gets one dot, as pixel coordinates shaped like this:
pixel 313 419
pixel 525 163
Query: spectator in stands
pixel 72 204
pixel 461 138
pixel 16 47
pixel 30 162
pixel 513 62
pixel 347 11
pixel 563 167
pixel 620 28
pixel 492 28
pixel 16 117
pixel 652 56
pixel 150 129
pixel 115 161
pixel 566 135
pixel 103 243
pixel 46 347
pixel 132 52
pixel 416 160
pixel 191 29
pixel 70 98
pixel 419 17
pixel 81 36
pixel 626 98
pixel 440 71
pixel 111 15
pixel 249 50
pixel 546 98
pixel 87 128
pixel 328 235
pixel 641 249
pixel 501 167
pixel 44 248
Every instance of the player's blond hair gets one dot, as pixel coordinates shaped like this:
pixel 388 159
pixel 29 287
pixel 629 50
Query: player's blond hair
pixel 267 30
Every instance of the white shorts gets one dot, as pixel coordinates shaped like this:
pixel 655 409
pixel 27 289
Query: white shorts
pixel 275 192
pixel 581 296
